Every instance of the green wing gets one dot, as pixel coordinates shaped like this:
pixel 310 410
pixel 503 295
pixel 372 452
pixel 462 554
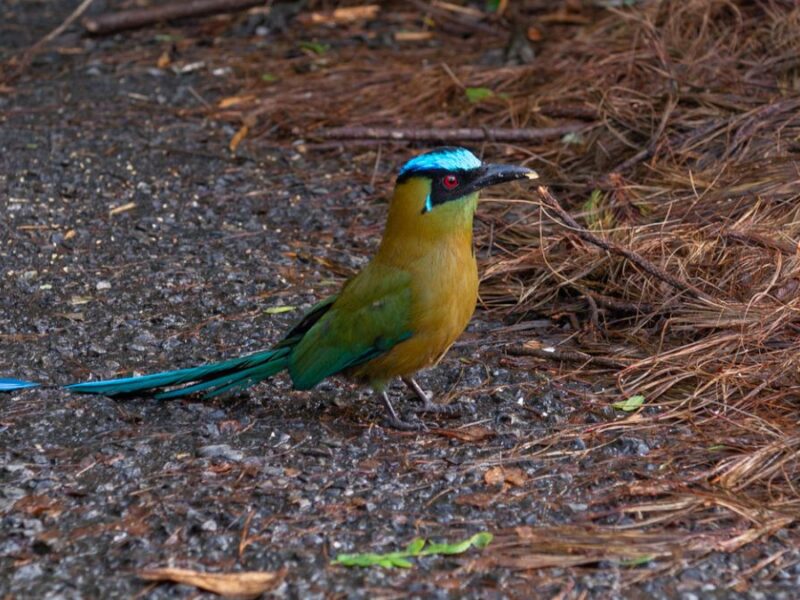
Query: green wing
pixel 308 320
pixel 369 317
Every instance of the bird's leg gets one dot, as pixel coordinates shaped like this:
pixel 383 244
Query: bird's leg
pixel 429 406
pixel 395 421
pixel 414 386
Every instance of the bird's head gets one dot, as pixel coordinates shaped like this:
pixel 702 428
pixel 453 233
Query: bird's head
pixel 437 191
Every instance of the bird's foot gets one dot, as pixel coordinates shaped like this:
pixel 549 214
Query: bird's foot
pixel 394 421
pixel 454 409
pixel 401 425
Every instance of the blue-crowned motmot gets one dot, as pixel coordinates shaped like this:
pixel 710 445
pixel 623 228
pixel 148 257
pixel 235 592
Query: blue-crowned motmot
pixel 398 315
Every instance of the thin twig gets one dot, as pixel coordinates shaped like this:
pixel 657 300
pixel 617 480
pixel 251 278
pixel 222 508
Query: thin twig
pixel 565 356
pixel 463 134
pixel 27 56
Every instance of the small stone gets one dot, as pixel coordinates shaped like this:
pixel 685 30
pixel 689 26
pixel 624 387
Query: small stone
pixel 578 444
pixel 28 572
pixel 210 525
pixel 221 451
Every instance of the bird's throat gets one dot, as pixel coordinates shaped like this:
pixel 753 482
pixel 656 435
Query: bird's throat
pixel 411 235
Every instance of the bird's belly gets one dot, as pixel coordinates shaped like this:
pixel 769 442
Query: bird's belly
pixel 442 307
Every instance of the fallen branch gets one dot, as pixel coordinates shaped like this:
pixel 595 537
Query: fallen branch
pixel 550 202
pixel 449 12
pixel 465 134
pixel 139 17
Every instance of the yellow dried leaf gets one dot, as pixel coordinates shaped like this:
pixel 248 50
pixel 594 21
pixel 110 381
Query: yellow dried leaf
pixel 503 475
pixel 413 36
pixel 355 13
pixel 346 14
pixel 515 476
pixel 121 209
pixel 247 584
pixel 163 60
pixel 533 344
pixel 534 34
pixel 494 476
pixel 235 100
pixel 238 137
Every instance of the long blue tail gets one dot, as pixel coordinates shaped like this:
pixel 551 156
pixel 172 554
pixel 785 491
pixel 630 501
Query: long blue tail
pixel 11 385
pixel 213 379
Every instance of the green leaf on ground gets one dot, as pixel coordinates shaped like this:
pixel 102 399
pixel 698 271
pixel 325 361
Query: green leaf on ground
pixel 167 38
pixel 630 404
pixel 591 208
pixel 416 547
pixel 315 47
pixel 276 310
pixel 269 78
pixel 479 540
pixel 477 94
pixel 637 561
pixel 387 561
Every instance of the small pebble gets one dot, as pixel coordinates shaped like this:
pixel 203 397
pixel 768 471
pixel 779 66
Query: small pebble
pixel 221 451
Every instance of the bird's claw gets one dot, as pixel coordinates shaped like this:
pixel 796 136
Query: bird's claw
pixel 454 409
pixel 397 423
pixel 394 420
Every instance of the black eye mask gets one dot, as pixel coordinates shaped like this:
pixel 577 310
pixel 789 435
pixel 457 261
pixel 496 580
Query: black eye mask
pixel 454 184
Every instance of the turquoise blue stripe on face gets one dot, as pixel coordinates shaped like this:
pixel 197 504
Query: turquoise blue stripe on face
pixel 446 159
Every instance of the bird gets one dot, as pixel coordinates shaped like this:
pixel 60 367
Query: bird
pixel 398 315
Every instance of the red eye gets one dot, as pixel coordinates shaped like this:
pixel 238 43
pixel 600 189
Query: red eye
pixel 449 182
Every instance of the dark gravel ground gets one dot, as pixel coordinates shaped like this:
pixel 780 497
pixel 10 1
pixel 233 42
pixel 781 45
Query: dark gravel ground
pixel 94 489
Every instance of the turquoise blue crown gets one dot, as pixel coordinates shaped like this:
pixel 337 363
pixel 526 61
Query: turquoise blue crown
pixel 444 159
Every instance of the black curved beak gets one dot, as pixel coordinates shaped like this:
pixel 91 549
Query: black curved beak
pixel 489 175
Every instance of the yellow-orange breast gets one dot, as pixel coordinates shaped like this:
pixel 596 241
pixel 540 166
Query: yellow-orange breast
pixel 444 290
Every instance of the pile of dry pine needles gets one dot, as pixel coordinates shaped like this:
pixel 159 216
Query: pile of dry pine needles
pixel 686 169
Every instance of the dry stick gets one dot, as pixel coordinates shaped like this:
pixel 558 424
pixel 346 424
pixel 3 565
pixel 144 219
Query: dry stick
pixel 550 202
pixel 585 113
pixel 566 356
pixel 139 17
pixel 456 18
pixel 28 55
pixel 466 134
